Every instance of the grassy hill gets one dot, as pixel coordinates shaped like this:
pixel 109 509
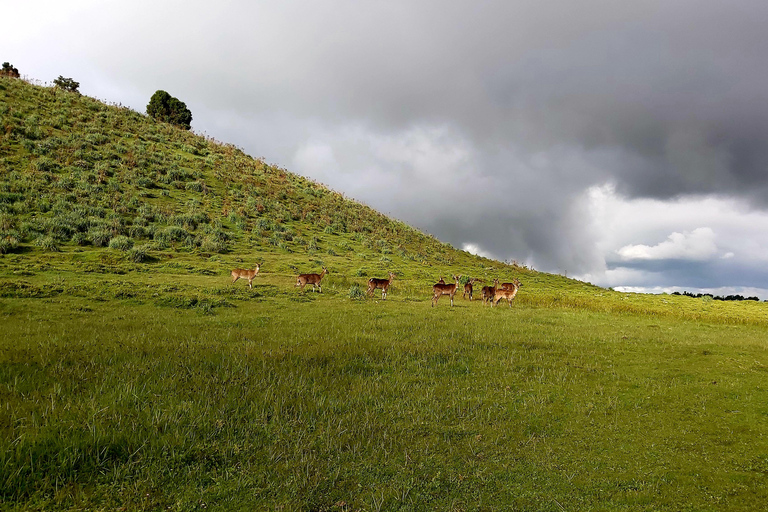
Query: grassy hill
pixel 93 188
pixel 135 376
pixel 80 173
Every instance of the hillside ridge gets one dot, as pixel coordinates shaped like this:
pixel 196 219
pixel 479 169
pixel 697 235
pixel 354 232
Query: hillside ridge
pixel 80 173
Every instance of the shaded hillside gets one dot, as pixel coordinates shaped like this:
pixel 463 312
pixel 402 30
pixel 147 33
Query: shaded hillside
pixel 79 173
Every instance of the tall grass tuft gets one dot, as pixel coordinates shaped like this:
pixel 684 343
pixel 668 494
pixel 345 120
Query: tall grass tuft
pixel 47 243
pixel 139 253
pixel 121 243
pixel 212 243
pixel 356 292
pixel 99 236
pixel 8 242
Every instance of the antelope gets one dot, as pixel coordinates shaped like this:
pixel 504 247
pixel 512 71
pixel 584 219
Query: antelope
pixel 445 289
pixel 374 283
pixel 441 280
pixel 313 279
pixel 468 288
pixel 510 286
pixel 506 294
pixel 245 274
pixel 489 291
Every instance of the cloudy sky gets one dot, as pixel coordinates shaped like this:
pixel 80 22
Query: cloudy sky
pixel 623 143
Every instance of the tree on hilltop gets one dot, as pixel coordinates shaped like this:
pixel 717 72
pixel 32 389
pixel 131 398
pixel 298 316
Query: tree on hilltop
pixel 164 107
pixel 9 71
pixel 66 84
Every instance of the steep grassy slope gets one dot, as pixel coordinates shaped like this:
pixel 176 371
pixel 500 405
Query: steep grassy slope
pixel 78 172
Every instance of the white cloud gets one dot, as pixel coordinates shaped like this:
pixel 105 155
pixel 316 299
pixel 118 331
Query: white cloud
pixel 690 227
pixel 698 244
pixel 316 159
pixel 622 277
pixel 477 250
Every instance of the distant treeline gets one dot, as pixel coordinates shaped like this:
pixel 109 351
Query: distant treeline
pixel 716 297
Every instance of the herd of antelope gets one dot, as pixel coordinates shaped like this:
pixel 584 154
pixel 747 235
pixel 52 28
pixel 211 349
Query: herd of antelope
pixel 490 294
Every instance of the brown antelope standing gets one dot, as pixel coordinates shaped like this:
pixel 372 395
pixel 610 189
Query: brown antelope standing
pixel 441 280
pixel 374 283
pixel 489 291
pixel 468 287
pixel 445 289
pixel 506 294
pixel 313 279
pixel 511 286
pixel 245 273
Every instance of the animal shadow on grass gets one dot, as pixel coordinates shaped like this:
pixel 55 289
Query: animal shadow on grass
pixel 301 298
pixel 245 293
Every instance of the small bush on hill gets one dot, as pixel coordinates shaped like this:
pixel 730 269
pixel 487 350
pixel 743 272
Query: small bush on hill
pixel 355 292
pixel 9 71
pixel 139 253
pixel 79 239
pixel 194 186
pixel 8 243
pixel 137 232
pixel 211 243
pixel 164 107
pixel 47 243
pixel 99 236
pixel 121 243
pixel 171 234
pixel 67 84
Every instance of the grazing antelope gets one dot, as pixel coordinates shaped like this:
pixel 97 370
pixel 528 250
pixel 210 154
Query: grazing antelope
pixel 374 283
pixel 245 274
pixel 506 294
pixel 489 291
pixel 313 279
pixel 511 286
pixel 445 289
pixel 468 287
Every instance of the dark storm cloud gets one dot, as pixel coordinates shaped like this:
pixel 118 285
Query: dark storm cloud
pixel 677 90
pixel 662 99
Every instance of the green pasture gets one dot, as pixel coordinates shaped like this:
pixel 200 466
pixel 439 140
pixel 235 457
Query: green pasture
pixel 178 390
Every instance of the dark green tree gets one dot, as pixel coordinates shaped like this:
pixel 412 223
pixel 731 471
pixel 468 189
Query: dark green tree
pixel 66 84
pixel 164 107
pixel 9 71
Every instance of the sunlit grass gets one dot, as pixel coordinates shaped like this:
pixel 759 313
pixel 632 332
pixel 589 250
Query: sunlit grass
pixel 317 401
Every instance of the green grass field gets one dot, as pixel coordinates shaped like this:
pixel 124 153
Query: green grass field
pixel 180 391
pixel 135 376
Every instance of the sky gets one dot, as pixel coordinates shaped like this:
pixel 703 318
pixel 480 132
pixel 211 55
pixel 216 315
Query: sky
pixel 621 143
